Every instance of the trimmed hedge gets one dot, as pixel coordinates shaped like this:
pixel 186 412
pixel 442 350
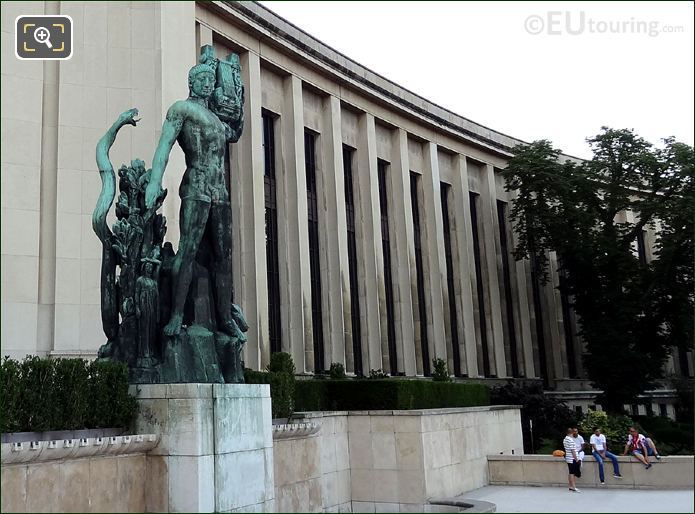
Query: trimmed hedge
pixel 386 394
pixel 282 387
pixel 280 376
pixel 64 394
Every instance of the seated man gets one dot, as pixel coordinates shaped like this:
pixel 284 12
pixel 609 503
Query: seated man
pixel 640 447
pixel 600 452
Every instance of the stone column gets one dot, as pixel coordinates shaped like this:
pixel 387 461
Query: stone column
pixel 216 445
pixel 557 327
pixel 335 274
pixel 434 251
pixel 48 206
pixel 368 231
pixel 178 54
pixel 248 218
pixel 403 253
pixel 523 305
pixel 490 233
pixel 293 228
pixel 466 265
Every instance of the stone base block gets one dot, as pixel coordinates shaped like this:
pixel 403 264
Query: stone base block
pixel 216 443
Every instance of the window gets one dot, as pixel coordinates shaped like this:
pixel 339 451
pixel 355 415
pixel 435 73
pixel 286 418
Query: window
pixel 567 323
pixel 388 281
pixel 538 315
pixel 456 350
pixel 662 410
pixel 314 262
pixel 473 198
pixel 641 248
pixel 348 154
pixel 271 233
pixel 420 279
pixel 510 332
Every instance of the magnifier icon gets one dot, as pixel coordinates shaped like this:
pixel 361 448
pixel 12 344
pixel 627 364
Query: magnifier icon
pixel 42 35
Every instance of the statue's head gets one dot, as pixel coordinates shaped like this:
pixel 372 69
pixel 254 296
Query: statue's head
pixel 201 80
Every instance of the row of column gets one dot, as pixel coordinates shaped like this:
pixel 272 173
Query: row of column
pixel 250 266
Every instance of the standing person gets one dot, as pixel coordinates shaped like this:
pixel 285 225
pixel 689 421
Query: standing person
pixel 572 459
pixel 579 443
pixel 637 445
pixel 600 451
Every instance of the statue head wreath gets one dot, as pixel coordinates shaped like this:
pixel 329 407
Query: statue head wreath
pixel 208 67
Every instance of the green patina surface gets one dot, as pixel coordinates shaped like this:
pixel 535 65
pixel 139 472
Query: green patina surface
pixel 168 314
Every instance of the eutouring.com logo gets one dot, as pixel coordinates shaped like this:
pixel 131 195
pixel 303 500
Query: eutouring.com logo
pixel 560 23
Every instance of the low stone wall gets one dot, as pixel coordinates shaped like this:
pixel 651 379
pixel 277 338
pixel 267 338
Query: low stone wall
pixel 400 460
pixel 312 472
pixel 213 448
pixel 77 475
pixel 669 473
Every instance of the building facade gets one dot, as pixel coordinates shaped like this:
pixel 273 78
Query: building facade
pixel 371 226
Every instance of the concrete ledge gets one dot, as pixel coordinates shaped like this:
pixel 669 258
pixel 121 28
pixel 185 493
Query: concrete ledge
pixel 674 472
pixel 42 451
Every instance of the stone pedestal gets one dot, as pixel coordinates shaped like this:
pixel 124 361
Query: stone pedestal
pixel 216 447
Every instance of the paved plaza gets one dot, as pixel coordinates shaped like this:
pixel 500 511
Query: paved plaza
pixel 559 499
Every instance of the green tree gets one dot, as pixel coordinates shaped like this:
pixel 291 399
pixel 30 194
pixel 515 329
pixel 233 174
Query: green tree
pixel 630 312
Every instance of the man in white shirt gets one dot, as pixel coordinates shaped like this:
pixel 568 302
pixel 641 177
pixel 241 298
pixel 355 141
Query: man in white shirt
pixel 579 443
pixel 572 460
pixel 600 451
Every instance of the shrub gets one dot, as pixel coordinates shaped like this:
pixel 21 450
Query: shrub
pixel 281 362
pixel 64 394
pixel 39 409
pixel 337 371
pixel 386 394
pixel 280 376
pixel 110 404
pixel 440 371
pixel 550 417
pixel 69 391
pixel 10 399
pixel 377 374
pixel 615 428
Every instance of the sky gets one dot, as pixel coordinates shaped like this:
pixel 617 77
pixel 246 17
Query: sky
pixel 536 70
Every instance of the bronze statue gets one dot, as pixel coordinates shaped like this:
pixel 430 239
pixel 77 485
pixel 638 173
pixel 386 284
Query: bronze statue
pixel 205 202
pixel 144 283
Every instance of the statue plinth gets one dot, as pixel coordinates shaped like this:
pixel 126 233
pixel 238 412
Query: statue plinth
pixel 216 445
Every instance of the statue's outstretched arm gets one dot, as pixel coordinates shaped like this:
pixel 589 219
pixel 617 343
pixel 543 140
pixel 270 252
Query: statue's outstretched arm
pixel 170 131
pixel 108 177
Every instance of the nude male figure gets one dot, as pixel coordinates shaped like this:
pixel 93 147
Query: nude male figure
pixel 205 200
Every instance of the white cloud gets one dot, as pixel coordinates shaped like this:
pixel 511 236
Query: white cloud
pixel 479 60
